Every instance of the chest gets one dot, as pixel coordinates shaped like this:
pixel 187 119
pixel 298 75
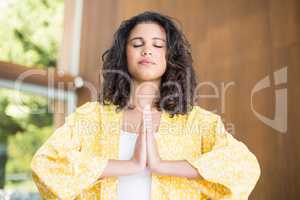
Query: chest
pixel 175 139
pixel 132 121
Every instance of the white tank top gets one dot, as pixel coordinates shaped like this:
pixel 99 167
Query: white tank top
pixel 136 186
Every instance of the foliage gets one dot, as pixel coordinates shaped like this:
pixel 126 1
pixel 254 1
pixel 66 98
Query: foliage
pixel 30 32
pixel 8 125
pixel 30 114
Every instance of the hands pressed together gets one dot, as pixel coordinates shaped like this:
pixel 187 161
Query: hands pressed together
pixel 146 153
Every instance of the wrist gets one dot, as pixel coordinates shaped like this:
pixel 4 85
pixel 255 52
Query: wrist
pixel 155 166
pixel 136 165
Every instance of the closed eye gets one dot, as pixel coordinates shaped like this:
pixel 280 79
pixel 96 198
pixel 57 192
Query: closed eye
pixel 158 46
pixel 137 45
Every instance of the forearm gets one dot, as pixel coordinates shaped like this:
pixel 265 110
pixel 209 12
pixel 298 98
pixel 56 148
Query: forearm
pixel 180 168
pixel 120 168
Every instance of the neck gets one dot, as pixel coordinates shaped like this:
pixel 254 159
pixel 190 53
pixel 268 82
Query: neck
pixel 144 93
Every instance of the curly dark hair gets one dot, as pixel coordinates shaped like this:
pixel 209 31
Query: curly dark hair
pixel 177 83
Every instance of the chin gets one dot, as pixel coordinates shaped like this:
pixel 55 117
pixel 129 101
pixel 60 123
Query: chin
pixel 148 78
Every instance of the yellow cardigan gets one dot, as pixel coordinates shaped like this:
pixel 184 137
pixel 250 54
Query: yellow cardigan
pixel 68 165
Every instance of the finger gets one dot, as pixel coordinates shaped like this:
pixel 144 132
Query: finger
pixel 147 118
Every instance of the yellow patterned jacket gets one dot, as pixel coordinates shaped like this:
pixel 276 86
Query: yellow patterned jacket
pixel 68 165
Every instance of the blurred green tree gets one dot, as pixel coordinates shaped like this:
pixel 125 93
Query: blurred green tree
pixel 30 32
pixel 8 126
pixel 25 124
pixel 30 35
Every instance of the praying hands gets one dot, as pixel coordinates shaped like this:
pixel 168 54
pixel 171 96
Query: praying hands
pixel 146 154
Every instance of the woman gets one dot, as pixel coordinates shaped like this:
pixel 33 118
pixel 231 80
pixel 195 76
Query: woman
pixel 144 138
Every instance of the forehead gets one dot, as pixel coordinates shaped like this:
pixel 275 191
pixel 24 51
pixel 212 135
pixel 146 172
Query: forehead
pixel 148 30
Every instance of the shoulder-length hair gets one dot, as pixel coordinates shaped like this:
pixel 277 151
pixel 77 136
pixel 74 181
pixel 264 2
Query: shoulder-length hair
pixel 177 83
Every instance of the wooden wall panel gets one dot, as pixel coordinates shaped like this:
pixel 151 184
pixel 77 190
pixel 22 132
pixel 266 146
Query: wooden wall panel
pixel 238 42
pixel 97 29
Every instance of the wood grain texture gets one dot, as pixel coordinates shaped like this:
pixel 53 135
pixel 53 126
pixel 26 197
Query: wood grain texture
pixel 233 42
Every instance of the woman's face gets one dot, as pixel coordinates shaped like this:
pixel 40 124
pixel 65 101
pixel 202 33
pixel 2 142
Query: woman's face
pixel 146 52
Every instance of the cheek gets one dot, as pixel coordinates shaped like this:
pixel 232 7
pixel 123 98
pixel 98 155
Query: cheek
pixel 132 57
pixel 129 55
pixel 162 58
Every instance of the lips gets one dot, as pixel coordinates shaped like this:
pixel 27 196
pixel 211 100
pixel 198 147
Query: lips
pixel 145 62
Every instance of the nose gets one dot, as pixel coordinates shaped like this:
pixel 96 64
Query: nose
pixel 146 52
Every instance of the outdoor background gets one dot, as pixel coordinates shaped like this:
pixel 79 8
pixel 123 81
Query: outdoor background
pixel 30 35
pixel 246 55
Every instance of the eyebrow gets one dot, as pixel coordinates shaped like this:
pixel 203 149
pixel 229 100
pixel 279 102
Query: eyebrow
pixel 140 38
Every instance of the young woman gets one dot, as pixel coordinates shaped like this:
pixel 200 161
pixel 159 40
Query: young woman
pixel 144 138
